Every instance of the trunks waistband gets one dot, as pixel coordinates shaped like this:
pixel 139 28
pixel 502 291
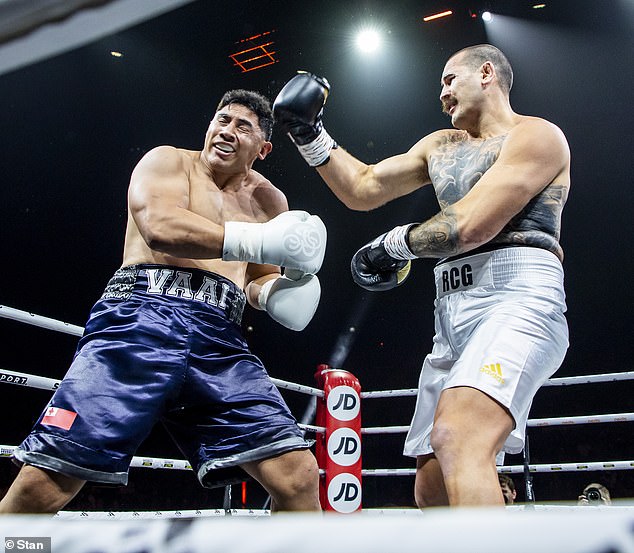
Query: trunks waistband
pixel 496 268
pixel 185 283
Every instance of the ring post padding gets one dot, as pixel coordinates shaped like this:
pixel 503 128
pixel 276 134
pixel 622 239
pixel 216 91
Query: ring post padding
pixel 338 449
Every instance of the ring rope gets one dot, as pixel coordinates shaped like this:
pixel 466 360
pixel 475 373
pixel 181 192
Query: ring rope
pixel 590 379
pixel 587 419
pixel 554 467
pixel 33 381
pixel 181 464
pixel 564 381
pixel 536 423
pixel 44 383
pixel 52 324
pixel 28 380
pixel 298 387
pixel 180 513
pixel 38 320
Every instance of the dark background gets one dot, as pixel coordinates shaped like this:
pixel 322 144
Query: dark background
pixel 74 126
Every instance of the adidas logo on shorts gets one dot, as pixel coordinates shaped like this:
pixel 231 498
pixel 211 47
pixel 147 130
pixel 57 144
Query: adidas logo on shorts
pixel 494 370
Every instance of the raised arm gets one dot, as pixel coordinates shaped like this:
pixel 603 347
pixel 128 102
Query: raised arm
pixel 298 110
pixel 364 187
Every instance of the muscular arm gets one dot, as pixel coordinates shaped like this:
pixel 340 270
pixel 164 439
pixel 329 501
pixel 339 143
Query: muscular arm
pixel 364 187
pixel 159 203
pixel 534 155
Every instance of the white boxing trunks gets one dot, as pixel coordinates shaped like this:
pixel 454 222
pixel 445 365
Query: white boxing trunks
pixel 499 328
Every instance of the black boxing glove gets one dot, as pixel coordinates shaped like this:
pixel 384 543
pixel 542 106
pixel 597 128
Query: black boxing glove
pixel 298 109
pixel 385 262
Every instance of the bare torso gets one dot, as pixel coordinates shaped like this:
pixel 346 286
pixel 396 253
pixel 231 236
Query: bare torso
pixel 255 199
pixel 458 163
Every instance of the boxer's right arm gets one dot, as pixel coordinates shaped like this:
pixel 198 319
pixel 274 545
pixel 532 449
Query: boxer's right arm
pixel 158 200
pixel 159 203
pixel 293 239
pixel 298 110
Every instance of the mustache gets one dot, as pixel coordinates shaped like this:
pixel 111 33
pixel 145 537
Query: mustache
pixel 447 105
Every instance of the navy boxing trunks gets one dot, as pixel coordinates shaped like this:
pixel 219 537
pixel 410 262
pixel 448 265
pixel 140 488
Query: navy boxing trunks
pixel 163 343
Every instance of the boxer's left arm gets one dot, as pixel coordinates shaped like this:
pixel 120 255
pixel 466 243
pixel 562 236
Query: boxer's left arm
pixel 534 155
pixel 292 302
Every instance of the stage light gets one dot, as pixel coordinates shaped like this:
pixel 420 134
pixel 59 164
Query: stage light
pixel 538 6
pixel 487 16
pixel 368 40
pixel 437 16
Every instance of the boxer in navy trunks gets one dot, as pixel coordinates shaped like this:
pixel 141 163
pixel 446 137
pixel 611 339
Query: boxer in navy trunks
pixel 501 180
pixel 206 234
pixel 167 352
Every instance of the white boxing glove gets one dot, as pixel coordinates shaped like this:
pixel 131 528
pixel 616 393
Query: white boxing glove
pixel 292 303
pixel 293 239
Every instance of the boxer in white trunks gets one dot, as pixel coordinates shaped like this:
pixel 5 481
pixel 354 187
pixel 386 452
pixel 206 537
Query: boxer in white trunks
pixel 501 180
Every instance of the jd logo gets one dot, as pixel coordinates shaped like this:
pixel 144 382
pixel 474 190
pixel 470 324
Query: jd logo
pixel 344 447
pixel 343 403
pixel 344 493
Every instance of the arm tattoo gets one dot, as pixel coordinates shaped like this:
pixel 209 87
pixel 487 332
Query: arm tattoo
pixel 437 237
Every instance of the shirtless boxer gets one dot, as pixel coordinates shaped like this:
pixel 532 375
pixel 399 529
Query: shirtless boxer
pixel 205 234
pixel 501 180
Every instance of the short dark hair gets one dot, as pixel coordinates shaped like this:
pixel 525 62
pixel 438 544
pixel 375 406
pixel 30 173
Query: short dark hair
pixel 258 104
pixel 476 55
pixel 504 479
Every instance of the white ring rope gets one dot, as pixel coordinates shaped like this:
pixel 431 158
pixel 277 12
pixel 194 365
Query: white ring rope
pixel 564 381
pixel 582 419
pixel 180 513
pixel 389 393
pixel 52 324
pixel 298 387
pixel 553 467
pixel 181 464
pixel 44 383
pixel 590 379
pixel 38 320
pixel 29 380
pixel 535 423
pixel 33 381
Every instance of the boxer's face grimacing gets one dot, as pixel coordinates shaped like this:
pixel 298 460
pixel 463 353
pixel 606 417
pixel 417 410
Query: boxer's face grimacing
pixel 234 139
